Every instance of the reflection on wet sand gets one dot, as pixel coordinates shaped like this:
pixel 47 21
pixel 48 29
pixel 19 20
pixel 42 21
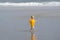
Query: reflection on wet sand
pixel 33 36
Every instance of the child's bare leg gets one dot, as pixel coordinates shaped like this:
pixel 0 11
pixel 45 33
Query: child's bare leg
pixel 31 28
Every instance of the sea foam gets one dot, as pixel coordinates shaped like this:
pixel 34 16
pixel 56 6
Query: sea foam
pixel 31 4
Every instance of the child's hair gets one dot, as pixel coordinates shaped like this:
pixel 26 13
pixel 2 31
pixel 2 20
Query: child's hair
pixel 32 16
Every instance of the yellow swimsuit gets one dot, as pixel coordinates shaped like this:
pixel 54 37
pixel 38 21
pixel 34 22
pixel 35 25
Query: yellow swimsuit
pixel 32 23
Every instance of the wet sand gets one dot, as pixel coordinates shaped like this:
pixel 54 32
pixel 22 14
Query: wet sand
pixel 14 23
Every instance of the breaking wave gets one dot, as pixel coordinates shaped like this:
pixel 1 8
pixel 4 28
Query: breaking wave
pixel 31 4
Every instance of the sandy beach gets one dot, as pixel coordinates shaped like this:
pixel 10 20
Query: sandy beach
pixel 14 23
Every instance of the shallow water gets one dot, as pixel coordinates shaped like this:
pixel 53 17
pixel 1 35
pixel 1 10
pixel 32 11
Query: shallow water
pixel 14 23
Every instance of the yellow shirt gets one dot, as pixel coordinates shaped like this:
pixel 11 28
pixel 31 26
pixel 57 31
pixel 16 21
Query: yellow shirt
pixel 32 22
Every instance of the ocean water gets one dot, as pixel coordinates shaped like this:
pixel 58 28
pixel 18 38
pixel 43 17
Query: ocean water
pixel 14 22
pixel 27 0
